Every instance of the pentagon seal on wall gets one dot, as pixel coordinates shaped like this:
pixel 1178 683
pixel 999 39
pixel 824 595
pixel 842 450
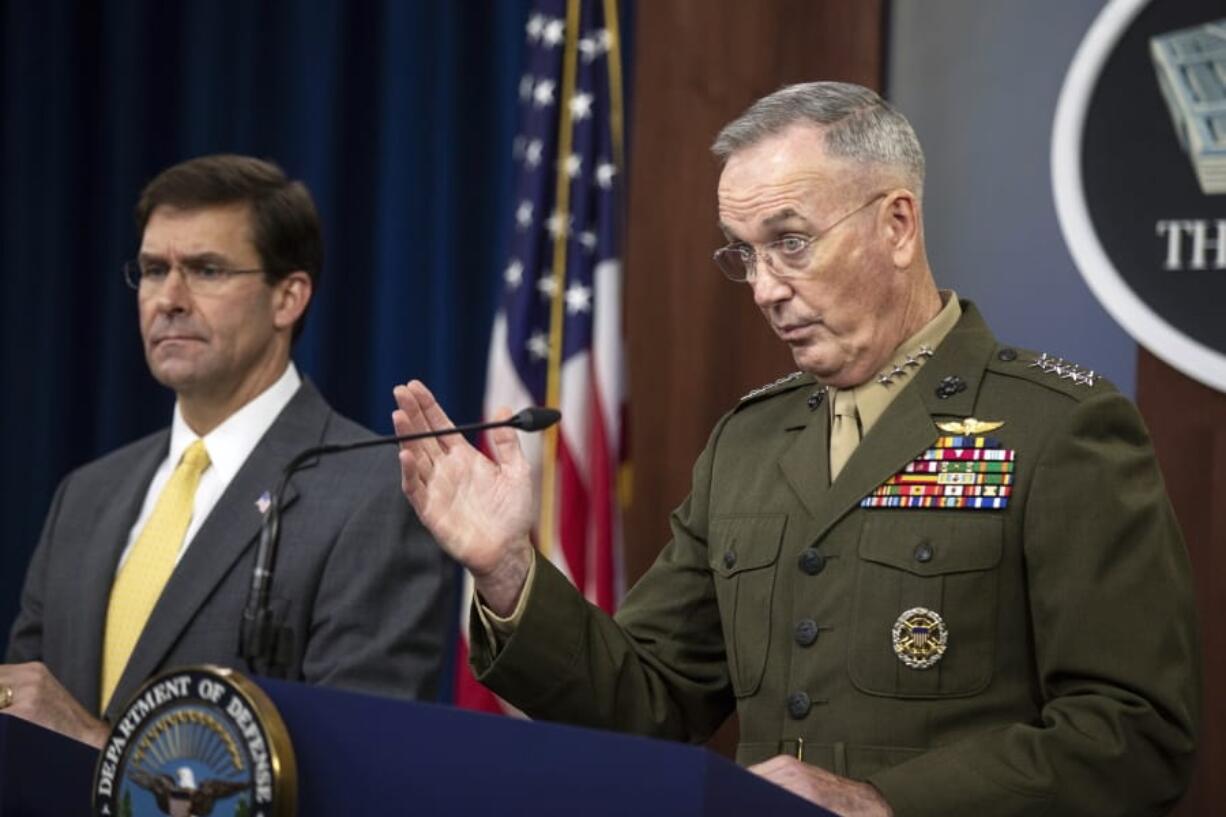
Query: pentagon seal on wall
pixel 197 741
pixel 1139 175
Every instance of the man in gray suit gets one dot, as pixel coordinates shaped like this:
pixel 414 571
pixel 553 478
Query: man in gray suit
pixel 147 553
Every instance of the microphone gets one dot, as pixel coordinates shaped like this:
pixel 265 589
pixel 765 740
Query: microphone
pixel 268 645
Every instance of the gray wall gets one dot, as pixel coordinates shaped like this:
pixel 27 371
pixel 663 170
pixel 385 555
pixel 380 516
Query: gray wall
pixel 979 80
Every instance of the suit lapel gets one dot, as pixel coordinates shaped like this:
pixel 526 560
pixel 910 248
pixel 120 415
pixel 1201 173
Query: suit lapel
pixel 900 434
pixel 231 528
pixel 83 670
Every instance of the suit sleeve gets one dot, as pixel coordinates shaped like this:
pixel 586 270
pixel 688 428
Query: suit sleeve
pixel 659 669
pixel 1112 616
pixel 26 638
pixel 385 605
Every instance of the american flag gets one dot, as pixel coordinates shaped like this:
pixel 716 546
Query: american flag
pixel 556 338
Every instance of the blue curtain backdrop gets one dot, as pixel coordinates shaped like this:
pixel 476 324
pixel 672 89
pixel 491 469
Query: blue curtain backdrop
pixel 399 116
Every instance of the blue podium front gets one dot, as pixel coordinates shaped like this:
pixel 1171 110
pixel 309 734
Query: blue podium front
pixel 361 754
pixel 365 755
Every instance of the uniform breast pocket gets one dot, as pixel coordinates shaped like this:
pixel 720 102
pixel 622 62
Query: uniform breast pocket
pixel 947 564
pixel 744 557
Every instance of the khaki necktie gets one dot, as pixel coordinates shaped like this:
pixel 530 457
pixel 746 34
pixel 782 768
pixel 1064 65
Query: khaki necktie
pixel 844 430
pixel 150 562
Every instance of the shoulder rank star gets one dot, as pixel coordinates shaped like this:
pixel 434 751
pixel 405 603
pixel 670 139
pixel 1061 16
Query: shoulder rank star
pixel 970 426
pixel 1064 369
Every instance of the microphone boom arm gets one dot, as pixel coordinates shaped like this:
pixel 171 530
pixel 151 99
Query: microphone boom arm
pixel 267 645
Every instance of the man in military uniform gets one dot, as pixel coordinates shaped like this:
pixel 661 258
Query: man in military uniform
pixel 933 574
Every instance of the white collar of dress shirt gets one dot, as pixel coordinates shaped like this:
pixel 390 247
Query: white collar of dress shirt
pixel 232 442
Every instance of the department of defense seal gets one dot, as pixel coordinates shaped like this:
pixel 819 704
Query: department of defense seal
pixel 197 741
pixel 919 637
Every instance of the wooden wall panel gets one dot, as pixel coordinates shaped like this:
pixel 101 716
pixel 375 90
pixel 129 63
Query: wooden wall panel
pixel 1188 423
pixel 696 342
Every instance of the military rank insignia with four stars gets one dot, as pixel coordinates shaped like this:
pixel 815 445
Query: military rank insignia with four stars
pixel 962 470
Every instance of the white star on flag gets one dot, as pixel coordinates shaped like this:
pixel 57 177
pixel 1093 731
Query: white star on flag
pixel 581 106
pixel 547 285
pixel 557 226
pixel 556 337
pixel 554 33
pixel 572 165
pixel 523 214
pixel 578 299
pixel 588 49
pixel 538 346
pixel 533 153
pixel 543 94
pixel 535 24
pixel 605 171
pixel 514 275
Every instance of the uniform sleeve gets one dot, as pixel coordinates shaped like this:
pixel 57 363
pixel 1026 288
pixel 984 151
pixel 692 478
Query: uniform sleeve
pixel 658 669
pixel 385 606
pixel 1112 615
pixel 26 638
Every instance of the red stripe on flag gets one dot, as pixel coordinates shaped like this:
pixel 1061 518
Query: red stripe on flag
pixel 572 515
pixel 469 693
pixel 602 551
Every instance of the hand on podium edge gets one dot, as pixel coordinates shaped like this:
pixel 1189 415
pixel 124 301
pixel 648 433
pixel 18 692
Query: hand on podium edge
pixel 39 698
pixel 842 795
pixel 480 509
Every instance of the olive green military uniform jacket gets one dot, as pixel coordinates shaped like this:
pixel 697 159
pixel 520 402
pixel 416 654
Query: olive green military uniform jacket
pixel 1069 684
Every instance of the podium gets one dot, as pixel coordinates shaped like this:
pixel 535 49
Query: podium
pixel 362 754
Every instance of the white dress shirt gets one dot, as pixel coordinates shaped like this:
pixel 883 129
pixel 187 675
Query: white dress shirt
pixel 228 445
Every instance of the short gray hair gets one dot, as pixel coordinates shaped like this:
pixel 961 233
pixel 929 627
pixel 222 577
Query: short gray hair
pixel 859 125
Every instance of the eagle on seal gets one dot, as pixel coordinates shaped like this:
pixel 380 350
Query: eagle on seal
pixel 184 798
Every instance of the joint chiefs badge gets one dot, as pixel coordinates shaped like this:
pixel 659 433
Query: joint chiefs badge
pixel 197 741
pixel 919 637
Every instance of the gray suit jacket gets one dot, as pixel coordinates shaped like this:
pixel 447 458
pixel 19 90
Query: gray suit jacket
pixel 367 591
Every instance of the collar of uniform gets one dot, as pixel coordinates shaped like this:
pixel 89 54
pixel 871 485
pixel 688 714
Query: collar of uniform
pixel 962 357
pixel 874 397
pixel 232 442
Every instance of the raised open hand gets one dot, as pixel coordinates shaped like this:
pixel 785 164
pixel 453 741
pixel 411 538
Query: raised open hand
pixel 478 508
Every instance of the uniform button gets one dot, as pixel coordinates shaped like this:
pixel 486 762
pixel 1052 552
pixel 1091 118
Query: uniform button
pixel 806 632
pixel 1007 355
pixel 923 552
pixel 798 705
pixel 729 558
pixel 811 561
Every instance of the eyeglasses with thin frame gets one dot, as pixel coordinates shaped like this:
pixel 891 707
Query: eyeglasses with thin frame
pixel 201 277
pixel 788 257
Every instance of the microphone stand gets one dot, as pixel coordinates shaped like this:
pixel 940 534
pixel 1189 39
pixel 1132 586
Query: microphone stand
pixel 267 644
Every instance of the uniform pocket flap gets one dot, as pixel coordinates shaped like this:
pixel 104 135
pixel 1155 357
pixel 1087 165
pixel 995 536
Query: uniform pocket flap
pixel 933 546
pixel 745 542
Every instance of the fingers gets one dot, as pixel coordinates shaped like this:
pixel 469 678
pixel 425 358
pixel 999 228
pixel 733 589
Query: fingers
pixel 771 769
pixel 39 698
pixel 504 442
pixel 436 418
pixel 31 688
pixel 414 419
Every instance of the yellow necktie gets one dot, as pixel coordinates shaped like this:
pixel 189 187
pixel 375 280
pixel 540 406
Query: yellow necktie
pixel 844 430
pixel 150 562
